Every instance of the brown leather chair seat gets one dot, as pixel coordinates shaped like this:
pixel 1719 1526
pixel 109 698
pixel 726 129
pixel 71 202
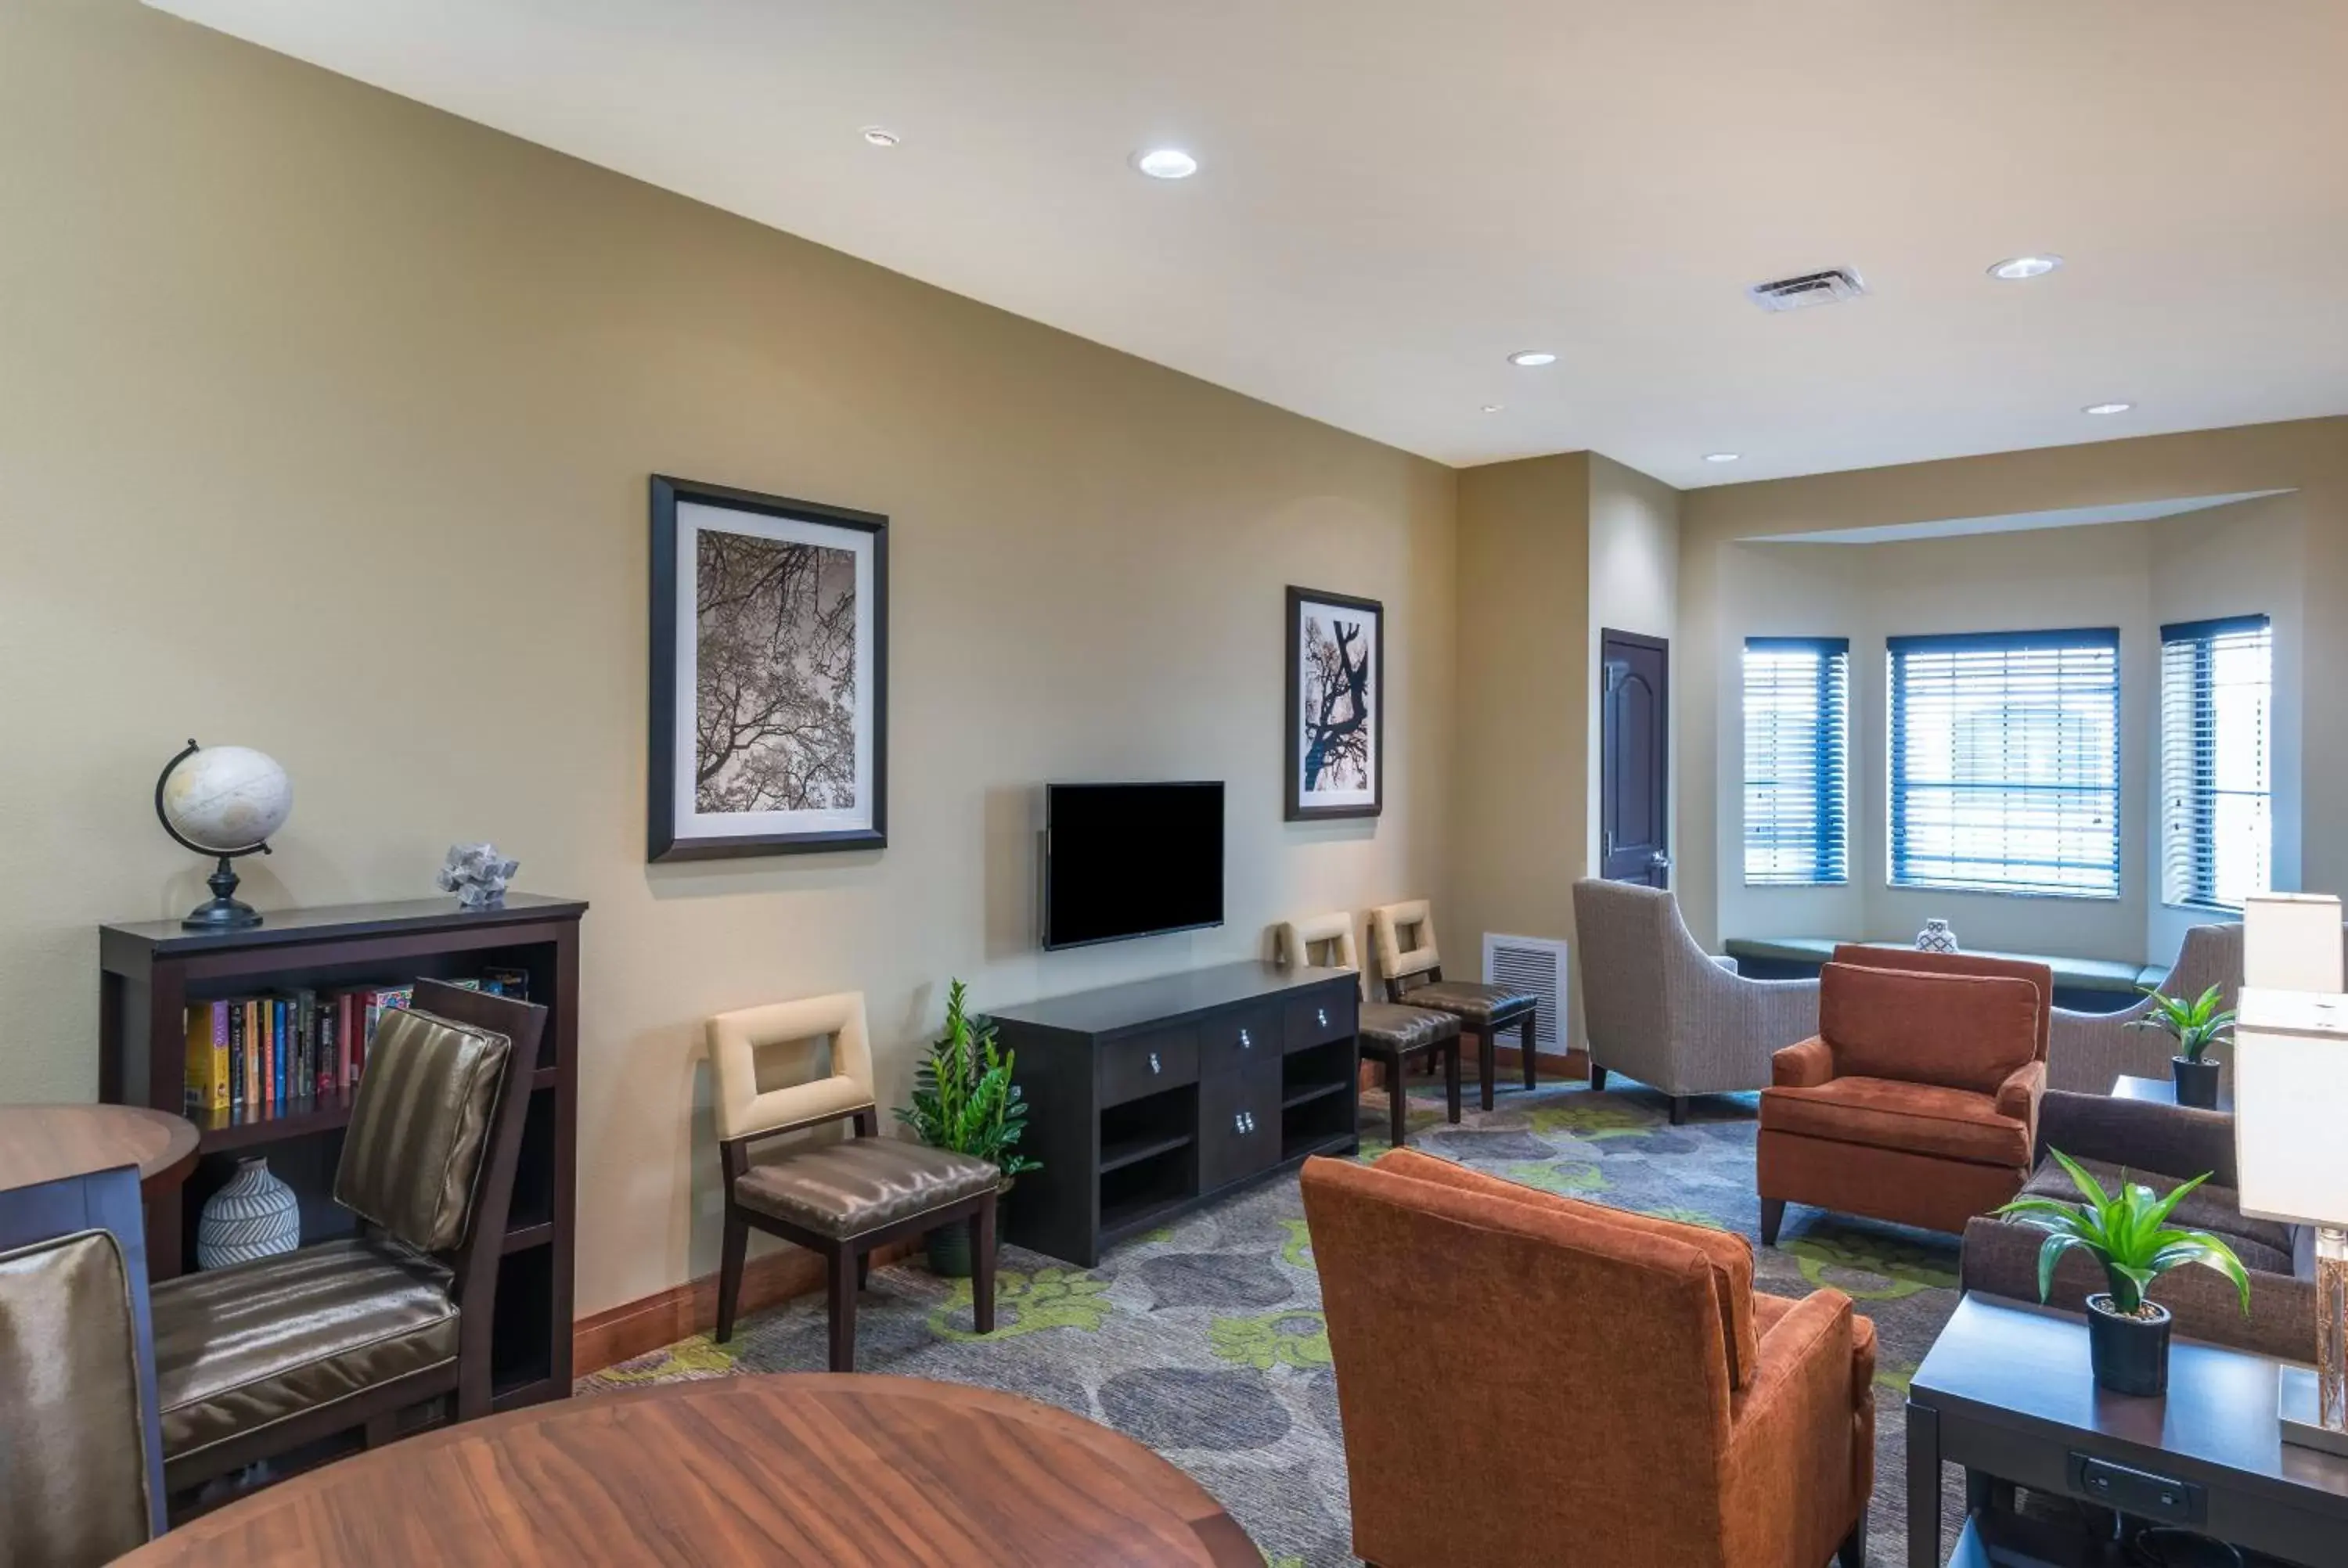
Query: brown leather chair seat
pixel 238 1348
pixel 1477 1003
pixel 2264 1245
pixel 1404 1029
pixel 861 1184
pixel 1886 1113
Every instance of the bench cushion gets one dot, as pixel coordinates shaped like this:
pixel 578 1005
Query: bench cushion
pixel 1399 1030
pixel 861 1184
pixel 1477 1004
pixel 241 1347
pixel 2070 974
pixel 1907 1118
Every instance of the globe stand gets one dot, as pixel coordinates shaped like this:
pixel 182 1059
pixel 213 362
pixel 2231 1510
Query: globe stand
pixel 224 911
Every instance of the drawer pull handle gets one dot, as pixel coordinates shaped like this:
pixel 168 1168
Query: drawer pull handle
pixel 1323 1016
pixel 1244 1122
pixel 1153 1063
pixel 1245 1043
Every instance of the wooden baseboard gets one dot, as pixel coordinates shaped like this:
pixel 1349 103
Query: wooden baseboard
pixel 635 1327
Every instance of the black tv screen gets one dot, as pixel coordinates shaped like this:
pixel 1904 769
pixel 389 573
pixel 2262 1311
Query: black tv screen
pixel 1131 860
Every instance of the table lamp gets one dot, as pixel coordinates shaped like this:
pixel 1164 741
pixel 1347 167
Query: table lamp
pixel 2291 1089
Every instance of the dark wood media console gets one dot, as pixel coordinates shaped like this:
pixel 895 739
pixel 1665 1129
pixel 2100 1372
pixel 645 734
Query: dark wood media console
pixel 1145 1100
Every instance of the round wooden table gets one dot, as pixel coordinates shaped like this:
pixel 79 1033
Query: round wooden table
pixel 49 1142
pixel 798 1469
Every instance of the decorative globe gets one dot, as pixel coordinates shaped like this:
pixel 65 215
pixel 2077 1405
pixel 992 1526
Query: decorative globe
pixel 227 799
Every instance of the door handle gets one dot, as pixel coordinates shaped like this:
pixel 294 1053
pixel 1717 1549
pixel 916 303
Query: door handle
pixel 1660 860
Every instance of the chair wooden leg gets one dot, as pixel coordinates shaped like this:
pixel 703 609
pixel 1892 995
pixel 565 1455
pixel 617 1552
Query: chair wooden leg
pixel 1772 1214
pixel 1597 1079
pixel 1852 1553
pixel 840 1277
pixel 1679 1110
pixel 863 1270
pixel 1487 1064
pixel 1451 1079
pixel 730 1251
pixel 982 1267
pixel 1397 1105
pixel 1532 1063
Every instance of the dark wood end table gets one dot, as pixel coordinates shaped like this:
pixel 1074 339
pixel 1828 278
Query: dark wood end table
pixel 2005 1392
pixel 2162 1090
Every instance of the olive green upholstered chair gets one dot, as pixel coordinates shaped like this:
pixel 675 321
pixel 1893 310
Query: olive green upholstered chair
pixel 81 1470
pixel 257 1358
pixel 1392 1035
pixel 842 1199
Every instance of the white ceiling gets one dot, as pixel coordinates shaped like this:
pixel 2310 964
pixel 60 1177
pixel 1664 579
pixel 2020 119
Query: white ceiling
pixel 2014 522
pixel 1396 194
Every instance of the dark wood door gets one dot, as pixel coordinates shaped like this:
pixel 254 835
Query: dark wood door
pixel 1239 1123
pixel 1634 772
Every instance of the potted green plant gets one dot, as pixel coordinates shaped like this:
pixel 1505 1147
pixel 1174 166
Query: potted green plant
pixel 2195 1026
pixel 964 1099
pixel 2128 1233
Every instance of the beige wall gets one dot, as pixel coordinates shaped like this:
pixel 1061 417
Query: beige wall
pixel 1635 567
pixel 1520 783
pixel 2138 575
pixel 324 428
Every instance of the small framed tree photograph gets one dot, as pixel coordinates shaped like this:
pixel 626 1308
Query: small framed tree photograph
pixel 1334 669
pixel 769 675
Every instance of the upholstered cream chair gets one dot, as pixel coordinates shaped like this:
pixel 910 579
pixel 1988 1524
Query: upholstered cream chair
pixel 2092 1049
pixel 840 1200
pixel 1391 1034
pixel 1411 965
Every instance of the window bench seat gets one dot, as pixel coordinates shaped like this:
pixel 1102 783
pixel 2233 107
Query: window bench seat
pixel 2081 985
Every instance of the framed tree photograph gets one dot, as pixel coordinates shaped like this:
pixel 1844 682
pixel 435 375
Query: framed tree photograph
pixel 769 675
pixel 1334 669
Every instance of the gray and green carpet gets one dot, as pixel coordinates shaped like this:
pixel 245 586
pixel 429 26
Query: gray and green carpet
pixel 1205 1341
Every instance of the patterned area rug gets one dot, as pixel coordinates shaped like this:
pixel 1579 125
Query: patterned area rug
pixel 1205 1341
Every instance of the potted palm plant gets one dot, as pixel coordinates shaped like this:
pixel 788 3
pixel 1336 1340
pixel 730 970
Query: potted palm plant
pixel 2195 1026
pixel 964 1099
pixel 2128 1233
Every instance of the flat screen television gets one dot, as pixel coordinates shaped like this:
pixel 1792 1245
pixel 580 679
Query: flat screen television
pixel 1130 860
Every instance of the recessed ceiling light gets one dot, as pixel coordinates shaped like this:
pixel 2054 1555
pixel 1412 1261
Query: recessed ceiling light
pixel 2107 408
pixel 880 136
pixel 1492 408
pixel 1532 358
pixel 2014 269
pixel 1722 456
pixel 1165 163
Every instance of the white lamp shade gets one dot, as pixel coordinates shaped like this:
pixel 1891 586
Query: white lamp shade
pixel 2292 942
pixel 2290 1105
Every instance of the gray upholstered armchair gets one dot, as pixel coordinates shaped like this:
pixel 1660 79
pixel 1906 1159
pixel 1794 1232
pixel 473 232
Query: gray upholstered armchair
pixel 1660 1010
pixel 2090 1048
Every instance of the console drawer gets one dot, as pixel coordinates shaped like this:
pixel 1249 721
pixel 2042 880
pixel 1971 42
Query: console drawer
pixel 1330 1015
pixel 1228 1041
pixel 1141 1064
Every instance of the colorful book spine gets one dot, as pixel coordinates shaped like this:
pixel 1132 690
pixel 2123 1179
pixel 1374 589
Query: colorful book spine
pixel 208 1056
pixel 305 1007
pixel 277 1042
pixel 346 1040
pixel 256 1050
pixel 237 1078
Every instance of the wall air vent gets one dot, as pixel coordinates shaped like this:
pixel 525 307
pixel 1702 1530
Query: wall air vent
pixel 1534 964
pixel 1830 287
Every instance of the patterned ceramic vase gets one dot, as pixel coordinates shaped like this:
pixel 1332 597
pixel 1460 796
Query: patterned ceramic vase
pixel 1936 938
pixel 255 1215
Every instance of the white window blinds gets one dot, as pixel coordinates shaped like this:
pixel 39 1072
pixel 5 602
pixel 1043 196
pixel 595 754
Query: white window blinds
pixel 2005 762
pixel 2217 694
pixel 1797 760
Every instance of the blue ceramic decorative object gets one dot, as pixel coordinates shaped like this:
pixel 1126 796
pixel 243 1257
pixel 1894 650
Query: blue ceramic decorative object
pixel 255 1215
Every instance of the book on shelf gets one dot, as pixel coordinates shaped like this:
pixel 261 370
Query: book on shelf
pixel 256 1053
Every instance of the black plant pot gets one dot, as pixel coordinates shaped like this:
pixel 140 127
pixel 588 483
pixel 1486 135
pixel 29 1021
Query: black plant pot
pixel 2130 1354
pixel 949 1245
pixel 2197 1081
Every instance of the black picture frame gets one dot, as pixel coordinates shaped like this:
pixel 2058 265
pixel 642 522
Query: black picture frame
pixel 668 836
pixel 1299 808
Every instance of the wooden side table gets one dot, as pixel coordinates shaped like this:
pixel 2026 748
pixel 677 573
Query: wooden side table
pixel 795 1469
pixel 2161 1090
pixel 49 1142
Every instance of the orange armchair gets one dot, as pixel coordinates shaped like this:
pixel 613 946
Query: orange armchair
pixel 1917 1101
pixel 1708 1427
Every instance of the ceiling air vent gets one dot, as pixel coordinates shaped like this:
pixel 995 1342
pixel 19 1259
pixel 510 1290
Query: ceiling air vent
pixel 1830 287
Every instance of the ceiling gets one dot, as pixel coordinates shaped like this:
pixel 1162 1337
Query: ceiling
pixel 1394 195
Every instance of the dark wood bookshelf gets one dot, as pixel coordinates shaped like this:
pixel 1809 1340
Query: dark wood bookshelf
pixel 151 971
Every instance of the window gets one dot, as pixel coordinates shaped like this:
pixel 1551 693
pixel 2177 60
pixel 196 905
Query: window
pixel 2217 684
pixel 2005 762
pixel 1797 760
